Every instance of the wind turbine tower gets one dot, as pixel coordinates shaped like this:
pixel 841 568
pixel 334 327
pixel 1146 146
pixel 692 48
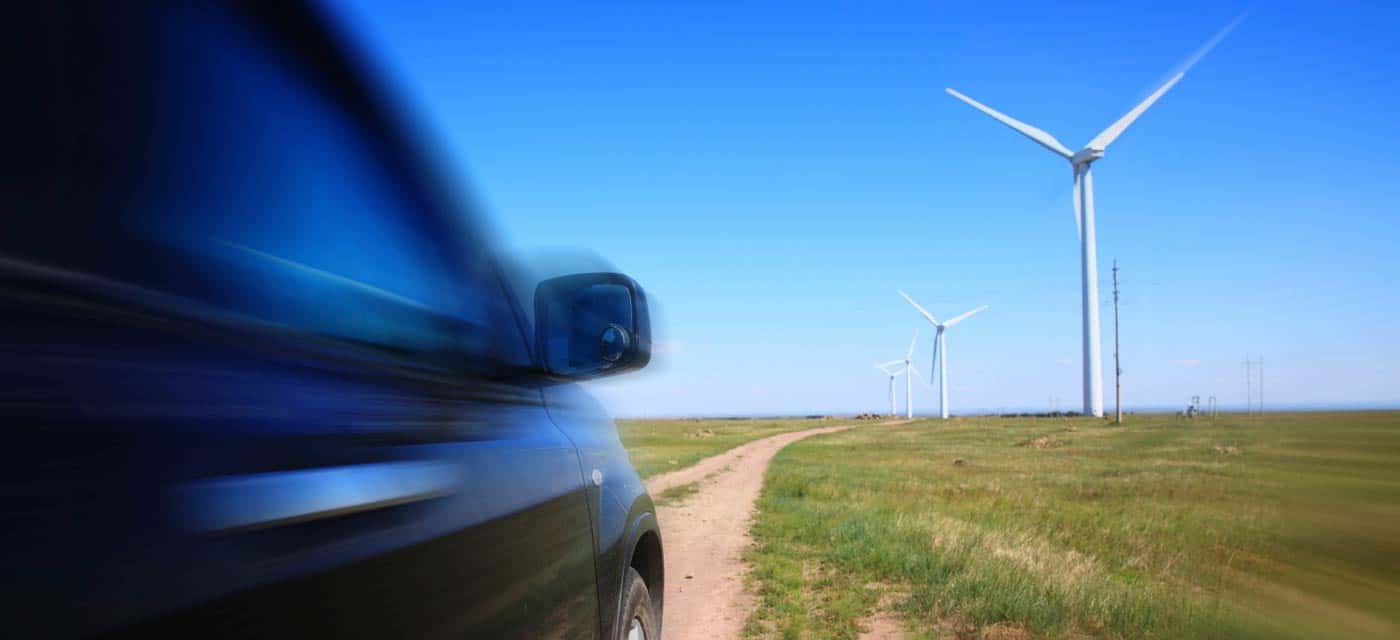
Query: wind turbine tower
pixel 1081 162
pixel 909 377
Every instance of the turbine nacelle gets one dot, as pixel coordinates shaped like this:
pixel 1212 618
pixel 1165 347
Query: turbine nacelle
pixel 1085 156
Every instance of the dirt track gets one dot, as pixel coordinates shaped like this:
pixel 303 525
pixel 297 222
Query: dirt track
pixel 706 534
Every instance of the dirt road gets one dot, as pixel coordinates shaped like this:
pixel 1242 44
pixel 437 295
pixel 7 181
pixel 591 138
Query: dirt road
pixel 706 534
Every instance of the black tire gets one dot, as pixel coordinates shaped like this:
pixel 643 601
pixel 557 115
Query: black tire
pixel 637 606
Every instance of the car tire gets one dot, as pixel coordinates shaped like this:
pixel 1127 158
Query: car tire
pixel 639 620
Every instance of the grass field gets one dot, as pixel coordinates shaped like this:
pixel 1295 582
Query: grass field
pixel 1280 527
pixel 656 446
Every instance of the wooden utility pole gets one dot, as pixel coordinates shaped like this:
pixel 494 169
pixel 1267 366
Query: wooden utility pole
pixel 1117 366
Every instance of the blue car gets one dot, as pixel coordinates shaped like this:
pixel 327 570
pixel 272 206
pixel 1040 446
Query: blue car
pixel 263 372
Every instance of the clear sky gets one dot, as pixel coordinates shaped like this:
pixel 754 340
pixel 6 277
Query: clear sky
pixel 772 172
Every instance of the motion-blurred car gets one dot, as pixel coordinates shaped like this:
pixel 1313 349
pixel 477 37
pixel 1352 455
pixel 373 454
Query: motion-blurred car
pixel 261 373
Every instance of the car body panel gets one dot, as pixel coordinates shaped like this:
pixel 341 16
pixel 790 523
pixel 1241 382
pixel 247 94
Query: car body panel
pixel 620 503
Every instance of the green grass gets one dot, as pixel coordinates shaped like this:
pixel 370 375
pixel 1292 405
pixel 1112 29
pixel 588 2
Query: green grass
pixel 677 494
pixel 1279 527
pixel 656 446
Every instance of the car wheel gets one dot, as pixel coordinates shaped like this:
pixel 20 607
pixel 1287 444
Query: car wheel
pixel 638 619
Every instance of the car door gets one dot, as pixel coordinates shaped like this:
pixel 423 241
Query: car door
pixel 318 415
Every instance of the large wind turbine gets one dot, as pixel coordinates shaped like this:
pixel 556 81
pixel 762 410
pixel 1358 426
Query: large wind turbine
pixel 1081 161
pixel 885 367
pixel 940 350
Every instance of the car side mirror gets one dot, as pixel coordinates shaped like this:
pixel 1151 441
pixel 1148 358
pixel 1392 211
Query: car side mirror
pixel 591 325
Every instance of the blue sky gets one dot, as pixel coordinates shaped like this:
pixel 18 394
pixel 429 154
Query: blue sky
pixel 773 172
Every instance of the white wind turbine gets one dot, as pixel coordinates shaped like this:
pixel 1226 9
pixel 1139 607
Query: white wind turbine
pixel 1084 210
pixel 909 373
pixel 940 350
pixel 885 367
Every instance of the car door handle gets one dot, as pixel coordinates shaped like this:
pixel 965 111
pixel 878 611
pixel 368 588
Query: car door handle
pixel 240 503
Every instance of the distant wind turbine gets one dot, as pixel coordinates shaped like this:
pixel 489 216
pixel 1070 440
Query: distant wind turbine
pixel 909 373
pixel 940 351
pixel 885 367
pixel 1080 161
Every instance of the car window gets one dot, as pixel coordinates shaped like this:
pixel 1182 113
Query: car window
pixel 279 200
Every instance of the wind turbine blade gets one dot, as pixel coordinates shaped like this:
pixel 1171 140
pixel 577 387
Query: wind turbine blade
pixel 1110 134
pixel 919 375
pixel 890 363
pixel 910 353
pixel 920 309
pixel 933 362
pixel 1039 136
pixel 1210 44
pixel 965 316
pixel 1101 141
